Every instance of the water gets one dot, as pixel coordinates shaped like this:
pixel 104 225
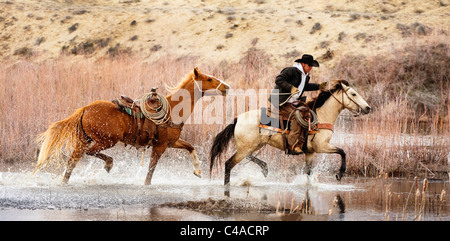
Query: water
pixel 93 194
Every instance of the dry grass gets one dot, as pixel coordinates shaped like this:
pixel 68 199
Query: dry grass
pixel 422 202
pixel 409 91
pixel 406 134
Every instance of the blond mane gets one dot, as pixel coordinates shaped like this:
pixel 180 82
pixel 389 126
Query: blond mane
pixel 188 77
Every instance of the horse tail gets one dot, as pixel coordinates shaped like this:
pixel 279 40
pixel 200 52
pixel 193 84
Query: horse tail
pixel 61 138
pixel 221 143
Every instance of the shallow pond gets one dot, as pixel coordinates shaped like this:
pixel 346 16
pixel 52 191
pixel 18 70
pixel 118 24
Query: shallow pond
pixel 93 194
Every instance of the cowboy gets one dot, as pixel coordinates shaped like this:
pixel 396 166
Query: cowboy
pixel 290 85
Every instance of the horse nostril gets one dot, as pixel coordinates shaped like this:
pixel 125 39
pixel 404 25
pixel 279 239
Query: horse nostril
pixel 368 109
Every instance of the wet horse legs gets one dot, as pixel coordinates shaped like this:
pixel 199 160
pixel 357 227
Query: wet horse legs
pixel 230 163
pixel 95 152
pixel 157 152
pixel 182 144
pixel 329 149
pixel 308 163
pixel 72 162
pixel 343 164
pixel 260 163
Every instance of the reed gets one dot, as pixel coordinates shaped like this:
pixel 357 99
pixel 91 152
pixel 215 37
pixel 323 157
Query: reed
pixel 406 135
pixel 441 203
pixel 421 204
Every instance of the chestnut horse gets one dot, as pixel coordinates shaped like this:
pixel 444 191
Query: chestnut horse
pixel 248 137
pixel 101 125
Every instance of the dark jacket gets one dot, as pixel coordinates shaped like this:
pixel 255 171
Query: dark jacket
pixel 290 76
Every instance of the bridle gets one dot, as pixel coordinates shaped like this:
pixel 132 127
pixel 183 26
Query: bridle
pixel 217 88
pixel 356 113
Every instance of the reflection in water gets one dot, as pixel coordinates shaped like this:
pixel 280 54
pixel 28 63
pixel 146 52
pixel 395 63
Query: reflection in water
pixel 337 203
pixel 121 196
pixel 368 199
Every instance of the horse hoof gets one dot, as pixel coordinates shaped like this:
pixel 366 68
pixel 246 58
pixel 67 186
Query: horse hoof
pixel 339 176
pixel 198 173
pixel 108 168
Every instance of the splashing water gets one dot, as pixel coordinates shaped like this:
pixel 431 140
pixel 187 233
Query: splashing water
pixel 94 194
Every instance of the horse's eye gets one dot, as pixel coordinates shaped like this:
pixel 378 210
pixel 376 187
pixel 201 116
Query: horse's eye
pixel 209 79
pixel 353 94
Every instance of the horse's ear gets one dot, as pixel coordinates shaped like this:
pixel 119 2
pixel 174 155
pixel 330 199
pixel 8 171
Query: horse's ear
pixel 345 82
pixel 196 72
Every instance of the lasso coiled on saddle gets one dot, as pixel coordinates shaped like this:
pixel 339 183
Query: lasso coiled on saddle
pixel 305 124
pixel 161 115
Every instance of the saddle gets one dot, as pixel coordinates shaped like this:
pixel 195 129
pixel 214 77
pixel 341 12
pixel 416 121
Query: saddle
pixel 133 107
pixel 129 106
pixel 145 129
pixel 302 114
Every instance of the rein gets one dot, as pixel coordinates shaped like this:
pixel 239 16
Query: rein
pixel 216 89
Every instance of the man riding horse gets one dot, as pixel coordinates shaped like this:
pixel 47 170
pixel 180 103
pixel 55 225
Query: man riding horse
pixel 289 88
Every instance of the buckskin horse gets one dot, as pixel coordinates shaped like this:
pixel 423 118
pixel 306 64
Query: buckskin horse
pixel 248 138
pixel 101 125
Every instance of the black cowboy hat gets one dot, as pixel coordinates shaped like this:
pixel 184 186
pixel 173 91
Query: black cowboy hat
pixel 309 60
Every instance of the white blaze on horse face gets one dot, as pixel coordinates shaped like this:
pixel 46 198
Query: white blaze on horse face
pixel 227 86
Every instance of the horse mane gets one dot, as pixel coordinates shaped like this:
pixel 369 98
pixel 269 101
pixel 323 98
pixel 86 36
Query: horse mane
pixel 188 77
pixel 325 94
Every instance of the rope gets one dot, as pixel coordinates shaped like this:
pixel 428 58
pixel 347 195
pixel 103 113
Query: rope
pixel 160 117
pixel 288 97
pixel 308 125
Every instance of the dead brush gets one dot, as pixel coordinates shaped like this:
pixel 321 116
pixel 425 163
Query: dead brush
pixel 441 203
pixel 391 140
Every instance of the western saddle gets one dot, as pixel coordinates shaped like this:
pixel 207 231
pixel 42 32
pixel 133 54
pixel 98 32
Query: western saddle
pixel 146 130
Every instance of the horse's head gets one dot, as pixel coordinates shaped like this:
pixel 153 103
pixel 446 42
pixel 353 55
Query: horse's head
pixel 349 98
pixel 209 82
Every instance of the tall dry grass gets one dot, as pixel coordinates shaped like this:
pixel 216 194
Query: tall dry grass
pixel 409 90
pixel 406 133
pixel 36 94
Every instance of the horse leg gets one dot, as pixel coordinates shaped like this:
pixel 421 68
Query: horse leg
pixel 343 163
pixel 332 149
pixel 232 162
pixel 76 155
pixel 108 161
pixel 228 166
pixel 182 144
pixel 157 152
pixel 260 163
pixel 308 163
pixel 95 152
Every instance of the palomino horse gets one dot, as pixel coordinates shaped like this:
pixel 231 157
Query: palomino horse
pixel 101 125
pixel 248 139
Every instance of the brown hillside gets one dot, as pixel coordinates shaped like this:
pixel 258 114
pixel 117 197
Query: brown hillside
pixel 215 30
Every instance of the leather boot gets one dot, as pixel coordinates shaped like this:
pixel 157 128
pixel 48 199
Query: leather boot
pixel 295 149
